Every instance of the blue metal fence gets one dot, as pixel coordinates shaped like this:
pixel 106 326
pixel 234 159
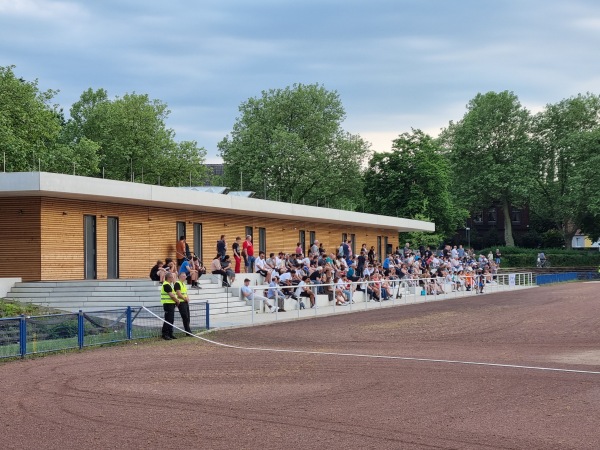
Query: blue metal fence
pixel 548 278
pixel 25 335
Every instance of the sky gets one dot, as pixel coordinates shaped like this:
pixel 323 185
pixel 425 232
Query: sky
pixel 396 64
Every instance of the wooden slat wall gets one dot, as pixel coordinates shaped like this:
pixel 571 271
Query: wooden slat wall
pixel 20 238
pixel 145 235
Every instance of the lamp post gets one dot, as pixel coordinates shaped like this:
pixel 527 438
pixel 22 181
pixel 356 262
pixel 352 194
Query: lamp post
pixel 468 232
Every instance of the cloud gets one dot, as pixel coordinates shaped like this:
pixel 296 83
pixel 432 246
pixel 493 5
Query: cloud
pixel 46 10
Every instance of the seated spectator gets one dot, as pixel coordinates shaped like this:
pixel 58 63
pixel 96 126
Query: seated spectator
pixel 274 293
pixel 226 266
pixel 249 295
pixel 262 268
pixel 191 274
pixel 158 272
pixel 170 266
pixel 304 290
pixel 217 269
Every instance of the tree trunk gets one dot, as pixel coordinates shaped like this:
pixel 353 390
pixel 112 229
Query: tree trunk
pixel 508 234
pixel 569 230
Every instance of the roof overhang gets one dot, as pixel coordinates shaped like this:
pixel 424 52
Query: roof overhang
pixel 28 184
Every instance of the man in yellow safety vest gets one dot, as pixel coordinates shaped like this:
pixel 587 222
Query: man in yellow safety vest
pixel 169 300
pixel 184 302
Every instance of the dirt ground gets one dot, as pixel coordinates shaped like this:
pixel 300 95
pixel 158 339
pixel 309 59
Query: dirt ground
pixel 192 394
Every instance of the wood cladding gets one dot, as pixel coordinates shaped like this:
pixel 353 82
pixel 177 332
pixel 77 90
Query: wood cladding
pixel 46 241
pixel 20 238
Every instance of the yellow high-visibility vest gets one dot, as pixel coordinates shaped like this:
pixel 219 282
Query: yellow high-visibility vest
pixel 164 296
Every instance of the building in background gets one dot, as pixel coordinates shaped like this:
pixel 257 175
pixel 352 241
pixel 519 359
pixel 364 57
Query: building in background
pixel 65 227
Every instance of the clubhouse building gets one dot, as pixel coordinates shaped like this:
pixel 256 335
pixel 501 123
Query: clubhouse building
pixel 66 227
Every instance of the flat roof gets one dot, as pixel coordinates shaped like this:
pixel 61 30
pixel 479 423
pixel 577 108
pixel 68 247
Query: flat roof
pixel 44 184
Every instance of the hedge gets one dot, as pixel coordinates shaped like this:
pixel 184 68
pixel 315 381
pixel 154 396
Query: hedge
pixel 523 257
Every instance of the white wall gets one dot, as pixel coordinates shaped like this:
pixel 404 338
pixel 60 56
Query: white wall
pixel 6 284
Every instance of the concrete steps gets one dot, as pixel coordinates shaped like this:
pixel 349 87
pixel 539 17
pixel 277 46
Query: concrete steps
pixel 97 295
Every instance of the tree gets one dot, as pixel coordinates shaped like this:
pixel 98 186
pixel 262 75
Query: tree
pixel 566 157
pixel 133 140
pixel 413 180
pixel 288 145
pixel 29 125
pixel 490 149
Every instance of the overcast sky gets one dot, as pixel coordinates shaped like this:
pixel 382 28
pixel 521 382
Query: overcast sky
pixel 396 64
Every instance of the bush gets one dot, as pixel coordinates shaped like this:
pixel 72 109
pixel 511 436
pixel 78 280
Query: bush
pixel 558 257
pixel 553 239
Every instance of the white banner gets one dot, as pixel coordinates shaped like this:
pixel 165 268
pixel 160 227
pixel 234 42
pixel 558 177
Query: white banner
pixel 512 279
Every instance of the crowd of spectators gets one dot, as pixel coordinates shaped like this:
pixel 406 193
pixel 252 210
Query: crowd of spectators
pixel 338 273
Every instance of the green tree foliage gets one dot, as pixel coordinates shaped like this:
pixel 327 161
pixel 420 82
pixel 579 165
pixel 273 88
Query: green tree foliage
pixel 288 145
pixel 567 157
pixel 133 140
pixel 29 125
pixel 490 149
pixel 414 180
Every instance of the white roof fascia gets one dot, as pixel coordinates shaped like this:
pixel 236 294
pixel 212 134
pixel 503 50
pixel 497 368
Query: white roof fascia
pixel 86 188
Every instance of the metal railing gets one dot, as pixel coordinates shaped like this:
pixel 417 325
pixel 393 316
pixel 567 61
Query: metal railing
pixel 359 295
pixel 27 335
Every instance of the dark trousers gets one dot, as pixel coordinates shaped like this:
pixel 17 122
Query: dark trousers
pixel 167 328
pixel 184 311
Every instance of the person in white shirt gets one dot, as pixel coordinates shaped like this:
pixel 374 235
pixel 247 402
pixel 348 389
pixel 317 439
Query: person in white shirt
pixel 250 296
pixel 261 267
pixel 304 290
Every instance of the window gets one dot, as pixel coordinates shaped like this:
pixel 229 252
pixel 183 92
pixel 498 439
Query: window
pixel 180 230
pixel 353 243
pixel 478 217
pixel 344 237
pixel 515 216
pixel 198 240
pixel 250 232
pixel 313 237
pixel 379 248
pixel 302 240
pixel 491 217
pixel 262 240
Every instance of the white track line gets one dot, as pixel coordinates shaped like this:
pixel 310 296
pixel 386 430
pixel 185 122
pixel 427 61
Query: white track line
pixel 401 358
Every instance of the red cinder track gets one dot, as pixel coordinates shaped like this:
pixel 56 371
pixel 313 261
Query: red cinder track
pixel 192 394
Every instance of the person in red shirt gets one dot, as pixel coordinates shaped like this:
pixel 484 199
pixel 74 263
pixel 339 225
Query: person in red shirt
pixel 248 253
pixel 180 249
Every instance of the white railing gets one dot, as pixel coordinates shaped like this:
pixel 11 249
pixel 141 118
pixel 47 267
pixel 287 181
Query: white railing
pixel 360 296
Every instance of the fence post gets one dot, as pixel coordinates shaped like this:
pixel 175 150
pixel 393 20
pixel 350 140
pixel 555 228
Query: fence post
pixel 128 325
pixel 80 329
pixel 22 336
pixel 207 309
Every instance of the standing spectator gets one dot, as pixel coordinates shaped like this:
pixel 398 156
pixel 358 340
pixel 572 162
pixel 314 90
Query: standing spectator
pixel 299 248
pixel 184 302
pixel 237 254
pixel 498 257
pixel 169 301
pixel 248 294
pixel 371 255
pixel 461 251
pixel 222 246
pixel 180 250
pixel 248 252
pixel 314 249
